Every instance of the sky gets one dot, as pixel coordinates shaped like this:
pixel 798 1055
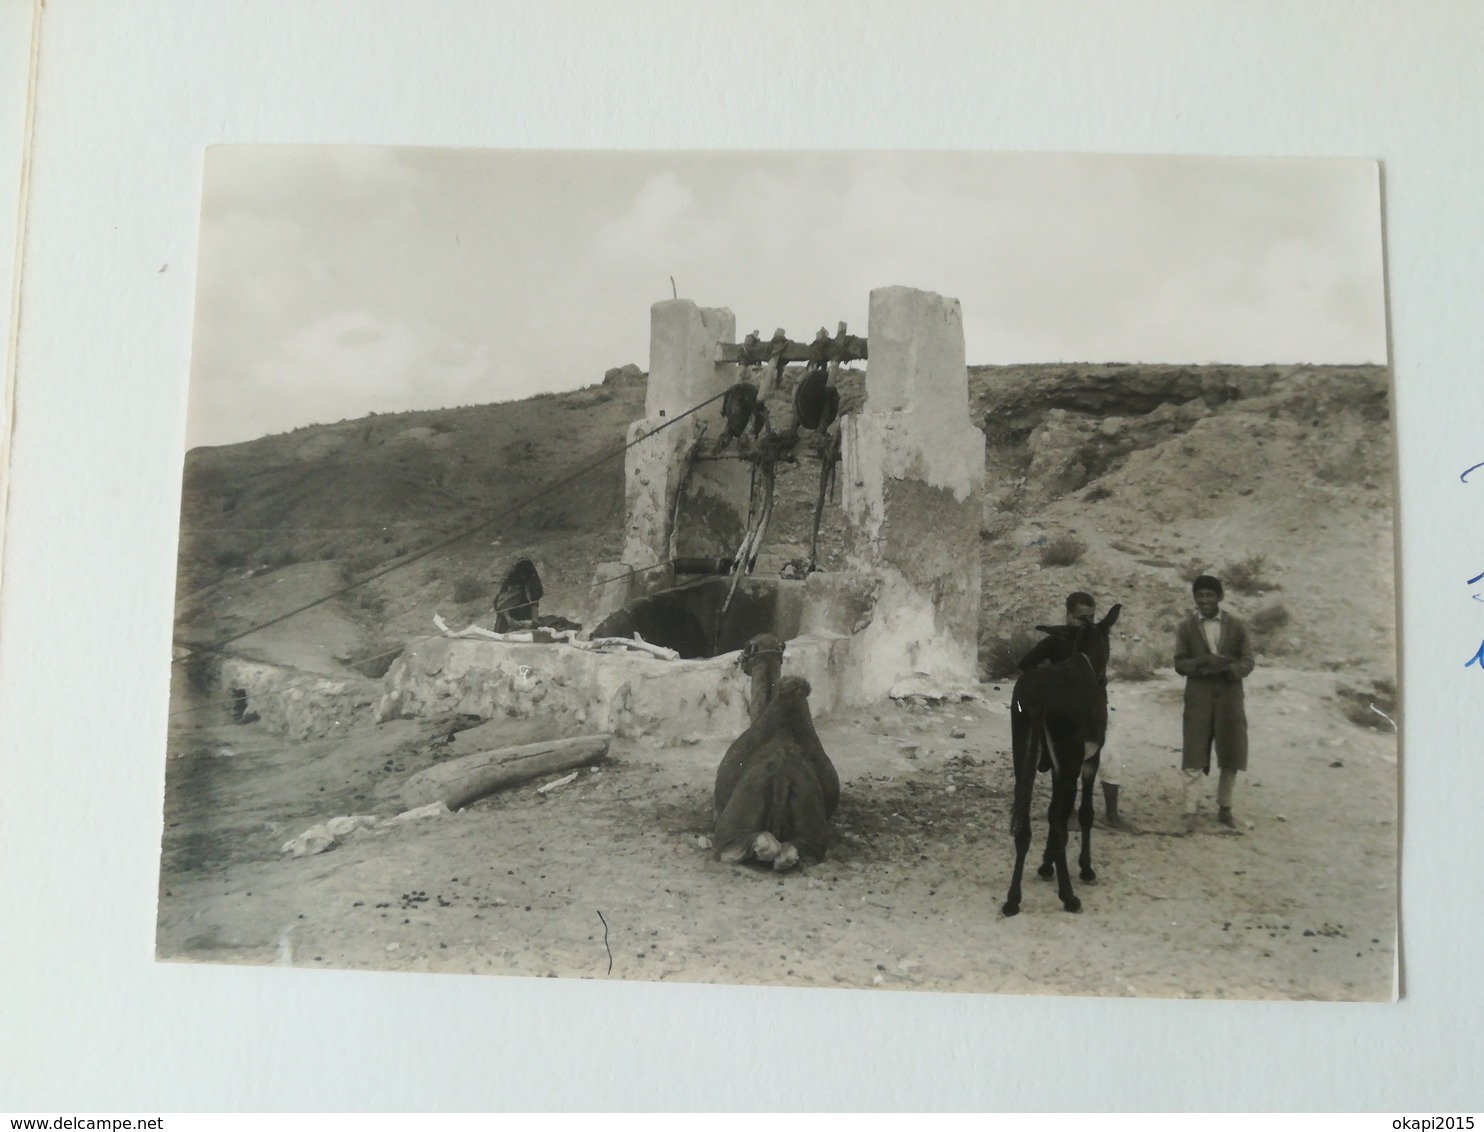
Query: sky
pixel 337 281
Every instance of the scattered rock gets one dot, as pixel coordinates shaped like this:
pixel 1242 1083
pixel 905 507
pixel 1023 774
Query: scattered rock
pixel 431 810
pixel 919 688
pixel 315 839
pixel 347 824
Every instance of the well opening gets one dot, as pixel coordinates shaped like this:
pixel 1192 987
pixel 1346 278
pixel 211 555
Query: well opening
pixel 690 619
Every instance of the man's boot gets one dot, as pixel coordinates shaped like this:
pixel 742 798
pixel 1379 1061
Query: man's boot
pixel 1110 806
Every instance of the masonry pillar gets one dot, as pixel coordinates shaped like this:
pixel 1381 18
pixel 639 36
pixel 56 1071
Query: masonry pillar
pixel 683 372
pixel 913 484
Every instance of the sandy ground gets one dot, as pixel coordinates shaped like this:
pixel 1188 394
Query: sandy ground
pixel 1299 903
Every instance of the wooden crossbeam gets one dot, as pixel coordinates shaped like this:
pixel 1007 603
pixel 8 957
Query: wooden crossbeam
pixel 753 350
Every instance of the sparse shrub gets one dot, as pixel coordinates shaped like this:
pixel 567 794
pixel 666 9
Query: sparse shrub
pixel 1000 656
pixel 998 526
pixel 374 661
pixel 1137 664
pixel 1246 576
pixel 1063 550
pixel 1359 702
pixel 470 587
pixel 1268 620
pixel 1191 571
pixel 1265 625
pixel 229 559
pixel 371 601
pixel 1098 494
pixel 200 667
pixel 999 522
pixel 363 562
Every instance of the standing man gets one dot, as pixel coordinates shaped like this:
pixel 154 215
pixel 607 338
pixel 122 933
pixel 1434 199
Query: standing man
pixel 1054 647
pixel 1213 654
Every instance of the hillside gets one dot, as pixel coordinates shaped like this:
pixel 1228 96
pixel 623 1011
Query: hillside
pixel 1277 478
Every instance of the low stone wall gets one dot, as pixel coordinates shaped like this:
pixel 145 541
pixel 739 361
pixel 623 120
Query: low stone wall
pixel 631 695
pixel 301 705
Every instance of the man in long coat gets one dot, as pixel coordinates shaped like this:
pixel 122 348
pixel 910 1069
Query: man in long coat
pixel 1214 655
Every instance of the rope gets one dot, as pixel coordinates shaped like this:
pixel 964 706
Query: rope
pixel 598 461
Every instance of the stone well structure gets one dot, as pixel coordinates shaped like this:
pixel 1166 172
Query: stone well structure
pixel 905 611
pixel 912 488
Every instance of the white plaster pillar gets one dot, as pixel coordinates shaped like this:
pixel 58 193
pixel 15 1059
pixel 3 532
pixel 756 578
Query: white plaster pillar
pixel 683 369
pixel 913 472
pixel 683 373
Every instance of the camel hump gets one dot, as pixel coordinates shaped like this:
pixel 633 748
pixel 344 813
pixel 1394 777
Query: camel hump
pixel 794 686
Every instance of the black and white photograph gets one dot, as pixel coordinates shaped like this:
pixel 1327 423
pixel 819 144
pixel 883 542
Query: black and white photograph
pixel 889 571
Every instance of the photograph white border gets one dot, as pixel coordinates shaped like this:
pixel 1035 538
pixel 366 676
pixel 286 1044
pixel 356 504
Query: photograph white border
pixel 128 97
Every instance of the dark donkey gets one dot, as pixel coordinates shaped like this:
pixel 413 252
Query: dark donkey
pixel 1058 721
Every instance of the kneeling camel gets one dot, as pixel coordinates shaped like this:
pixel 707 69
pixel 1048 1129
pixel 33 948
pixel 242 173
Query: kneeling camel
pixel 776 789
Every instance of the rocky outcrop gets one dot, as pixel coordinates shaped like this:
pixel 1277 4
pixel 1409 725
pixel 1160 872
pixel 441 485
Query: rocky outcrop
pixel 1052 430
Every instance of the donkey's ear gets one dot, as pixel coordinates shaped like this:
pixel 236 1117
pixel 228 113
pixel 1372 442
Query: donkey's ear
pixel 1110 619
pixel 1067 631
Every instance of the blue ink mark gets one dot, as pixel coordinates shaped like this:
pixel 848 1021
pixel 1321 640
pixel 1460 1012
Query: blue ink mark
pixel 1478 658
pixel 1464 477
pixel 1478 597
pixel 1474 580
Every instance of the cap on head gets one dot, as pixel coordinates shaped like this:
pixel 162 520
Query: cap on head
pixel 1079 598
pixel 1207 582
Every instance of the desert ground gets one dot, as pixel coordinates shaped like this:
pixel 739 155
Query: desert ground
pixel 1278 479
pixel 1299 902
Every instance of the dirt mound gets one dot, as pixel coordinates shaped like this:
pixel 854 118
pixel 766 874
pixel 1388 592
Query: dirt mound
pixel 1278 481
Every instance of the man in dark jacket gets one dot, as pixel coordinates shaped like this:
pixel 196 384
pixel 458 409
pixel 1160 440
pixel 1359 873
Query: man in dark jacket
pixel 1054 647
pixel 1214 655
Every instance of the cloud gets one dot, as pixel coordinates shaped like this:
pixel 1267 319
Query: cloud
pixel 343 279
pixel 345 364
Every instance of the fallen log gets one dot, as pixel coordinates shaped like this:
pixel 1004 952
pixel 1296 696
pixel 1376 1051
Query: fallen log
pixel 461 781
